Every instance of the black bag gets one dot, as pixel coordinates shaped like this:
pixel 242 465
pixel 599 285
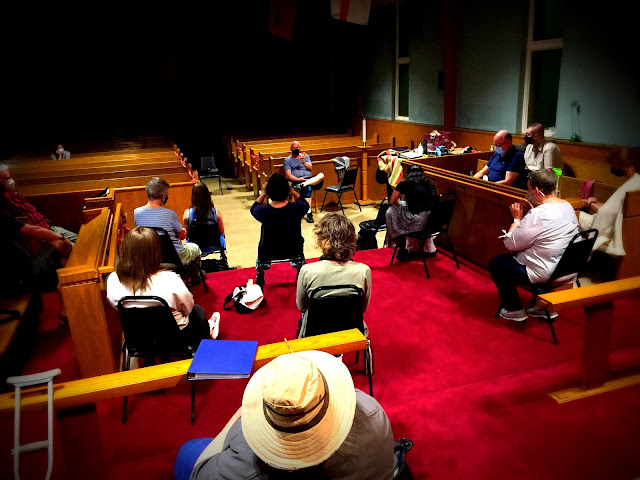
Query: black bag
pixel 215 265
pixel 401 470
pixel 366 239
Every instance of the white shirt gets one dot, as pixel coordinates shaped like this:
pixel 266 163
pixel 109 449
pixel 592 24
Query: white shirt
pixel 164 284
pixel 547 155
pixel 541 238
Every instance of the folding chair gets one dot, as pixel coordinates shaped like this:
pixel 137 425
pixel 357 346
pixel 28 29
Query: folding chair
pixel 208 169
pixel 211 241
pixel 280 243
pixel 334 308
pixel 573 261
pixel 150 330
pixel 28 381
pixel 436 225
pixel 347 185
pixel 171 261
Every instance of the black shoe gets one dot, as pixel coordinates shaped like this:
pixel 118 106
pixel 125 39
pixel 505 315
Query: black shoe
pixel 403 254
pixel 430 254
pixel 298 188
pixel 309 217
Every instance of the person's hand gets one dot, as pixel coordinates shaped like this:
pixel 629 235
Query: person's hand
pixel 182 234
pixel 591 200
pixel 517 211
pixel 67 246
pixel 264 187
pixel 584 202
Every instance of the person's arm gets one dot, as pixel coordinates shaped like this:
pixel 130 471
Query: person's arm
pixel 395 196
pixel 592 202
pixel 291 177
pixel 523 231
pixel 293 193
pixel 509 178
pixel 220 223
pixel 180 232
pixel 551 157
pixel 302 299
pixel 366 294
pixel 185 218
pixel 62 243
pixel 217 444
pixel 484 171
pixel 181 294
pixel 263 194
pixel 306 162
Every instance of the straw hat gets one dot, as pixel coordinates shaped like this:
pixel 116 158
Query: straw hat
pixel 298 409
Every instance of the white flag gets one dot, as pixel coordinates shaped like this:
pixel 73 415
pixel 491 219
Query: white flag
pixel 354 11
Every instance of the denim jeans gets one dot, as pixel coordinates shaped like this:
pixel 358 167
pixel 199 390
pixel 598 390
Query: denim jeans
pixel 506 273
pixel 187 456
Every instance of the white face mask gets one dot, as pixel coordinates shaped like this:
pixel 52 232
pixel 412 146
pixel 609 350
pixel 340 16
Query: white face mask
pixel 60 150
pixel 10 184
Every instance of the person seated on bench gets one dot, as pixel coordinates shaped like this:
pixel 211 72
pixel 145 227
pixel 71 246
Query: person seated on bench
pixel 202 210
pixel 539 153
pixel 61 154
pixel 409 216
pixel 16 205
pixel 537 240
pixel 301 418
pixel 297 169
pixel 280 211
pixel 506 165
pixel 153 214
pixel 138 272
pixel 336 237
pixel 624 161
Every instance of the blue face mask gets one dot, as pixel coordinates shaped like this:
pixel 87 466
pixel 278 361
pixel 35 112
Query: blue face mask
pixel 499 150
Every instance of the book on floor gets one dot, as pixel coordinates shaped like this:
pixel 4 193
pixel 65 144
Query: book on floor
pixel 223 359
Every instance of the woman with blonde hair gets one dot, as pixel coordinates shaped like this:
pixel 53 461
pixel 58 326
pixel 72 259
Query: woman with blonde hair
pixel 336 237
pixel 138 273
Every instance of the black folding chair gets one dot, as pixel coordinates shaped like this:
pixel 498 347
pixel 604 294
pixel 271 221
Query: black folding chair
pixel 280 243
pixel 437 224
pixel 334 308
pixel 207 237
pixel 347 185
pixel 191 273
pixel 573 261
pixel 208 169
pixel 150 331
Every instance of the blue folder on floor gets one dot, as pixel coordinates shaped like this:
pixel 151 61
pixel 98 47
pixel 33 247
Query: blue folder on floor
pixel 223 359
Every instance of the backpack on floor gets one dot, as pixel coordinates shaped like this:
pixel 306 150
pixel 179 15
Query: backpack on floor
pixel 245 298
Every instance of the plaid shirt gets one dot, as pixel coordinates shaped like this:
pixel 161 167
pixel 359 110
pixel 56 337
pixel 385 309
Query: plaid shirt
pixel 18 206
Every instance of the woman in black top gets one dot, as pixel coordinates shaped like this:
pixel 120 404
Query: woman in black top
pixel 410 215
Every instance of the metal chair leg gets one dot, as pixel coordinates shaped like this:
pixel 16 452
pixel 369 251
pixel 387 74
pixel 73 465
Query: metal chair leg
pixel 193 403
pixel 553 331
pixel 357 202
pixel 452 252
pixel 325 197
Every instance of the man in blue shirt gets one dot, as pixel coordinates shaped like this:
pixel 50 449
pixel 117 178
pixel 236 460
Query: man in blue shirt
pixel 506 166
pixel 297 169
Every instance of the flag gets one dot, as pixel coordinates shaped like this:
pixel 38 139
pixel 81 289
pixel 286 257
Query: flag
pixel 354 11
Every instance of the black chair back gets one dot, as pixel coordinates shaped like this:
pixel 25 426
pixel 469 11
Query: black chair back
pixel 441 214
pixel 208 166
pixel 149 327
pixel 281 242
pixel 349 178
pixel 170 256
pixel 333 309
pixel 206 235
pixel 575 257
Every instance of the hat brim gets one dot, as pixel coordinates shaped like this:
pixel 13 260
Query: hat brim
pixel 293 451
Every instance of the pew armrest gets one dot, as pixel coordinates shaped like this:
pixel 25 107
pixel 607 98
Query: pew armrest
pixel 588 295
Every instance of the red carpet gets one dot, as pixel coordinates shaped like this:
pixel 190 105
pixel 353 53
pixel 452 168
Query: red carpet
pixel 469 390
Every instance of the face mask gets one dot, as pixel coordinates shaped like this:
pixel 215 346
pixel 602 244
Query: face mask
pixel 499 150
pixel 295 152
pixel 618 172
pixel 531 198
pixel 166 199
pixel 11 184
pixel 528 140
pixel 60 150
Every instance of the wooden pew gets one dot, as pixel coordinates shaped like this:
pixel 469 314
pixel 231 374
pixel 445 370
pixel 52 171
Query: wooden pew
pixel 597 300
pixel 35 164
pixel 111 165
pixel 75 400
pixel 96 343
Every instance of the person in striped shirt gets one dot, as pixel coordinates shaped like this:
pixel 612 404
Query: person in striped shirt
pixel 153 214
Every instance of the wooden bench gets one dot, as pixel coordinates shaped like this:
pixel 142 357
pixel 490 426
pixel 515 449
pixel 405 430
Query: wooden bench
pixel 35 164
pixel 75 400
pixel 9 323
pixel 597 300
pixel 19 173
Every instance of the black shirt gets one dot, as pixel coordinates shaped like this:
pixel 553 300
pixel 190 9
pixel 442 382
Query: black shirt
pixel 420 197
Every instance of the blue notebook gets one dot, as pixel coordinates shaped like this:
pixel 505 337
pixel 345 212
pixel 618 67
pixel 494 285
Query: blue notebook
pixel 223 359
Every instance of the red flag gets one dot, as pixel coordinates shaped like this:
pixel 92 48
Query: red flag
pixel 354 11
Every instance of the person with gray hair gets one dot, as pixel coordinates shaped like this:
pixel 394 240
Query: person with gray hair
pixel 153 214
pixel 539 153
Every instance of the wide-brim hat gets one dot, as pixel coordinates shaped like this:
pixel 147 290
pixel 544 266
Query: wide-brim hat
pixel 289 434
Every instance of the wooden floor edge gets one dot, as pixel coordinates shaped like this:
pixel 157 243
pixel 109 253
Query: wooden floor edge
pixel 576 393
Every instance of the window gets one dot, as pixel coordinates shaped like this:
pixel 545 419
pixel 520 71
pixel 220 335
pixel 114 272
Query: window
pixel 543 60
pixel 402 62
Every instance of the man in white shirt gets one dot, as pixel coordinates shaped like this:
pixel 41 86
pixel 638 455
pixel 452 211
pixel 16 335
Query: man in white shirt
pixel 539 153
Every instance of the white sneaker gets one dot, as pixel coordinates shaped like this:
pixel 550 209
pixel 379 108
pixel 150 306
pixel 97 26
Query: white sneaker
pixel 214 325
pixel 538 313
pixel 516 315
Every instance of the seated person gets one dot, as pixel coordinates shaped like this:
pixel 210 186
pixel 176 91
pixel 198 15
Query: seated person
pixel 301 418
pixel 138 272
pixel 410 216
pixel 280 211
pixel 297 169
pixel 539 153
pixel 202 211
pixel 60 154
pixel 506 165
pixel 32 255
pixel 336 237
pixel 624 161
pixel 153 214
pixel 16 205
pixel 537 241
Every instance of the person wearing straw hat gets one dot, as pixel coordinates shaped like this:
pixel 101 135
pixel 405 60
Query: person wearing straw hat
pixel 301 415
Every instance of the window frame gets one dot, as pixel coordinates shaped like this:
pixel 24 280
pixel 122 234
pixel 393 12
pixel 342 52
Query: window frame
pixel 399 61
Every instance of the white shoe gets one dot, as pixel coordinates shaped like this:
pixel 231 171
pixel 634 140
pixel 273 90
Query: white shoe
pixel 538 313
pixel 214 325
pixel 516 315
